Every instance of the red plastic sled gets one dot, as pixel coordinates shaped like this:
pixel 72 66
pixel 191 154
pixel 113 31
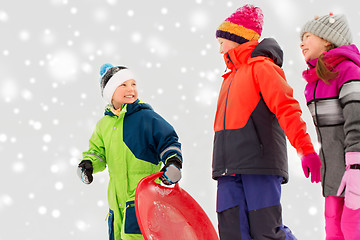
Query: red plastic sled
pixel 169 213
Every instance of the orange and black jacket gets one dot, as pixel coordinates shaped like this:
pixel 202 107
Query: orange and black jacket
pixel 255 110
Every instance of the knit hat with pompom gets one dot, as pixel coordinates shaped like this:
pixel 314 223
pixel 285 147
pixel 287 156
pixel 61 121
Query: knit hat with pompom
pixel 332 28
pixel 243 25
pixel 111 78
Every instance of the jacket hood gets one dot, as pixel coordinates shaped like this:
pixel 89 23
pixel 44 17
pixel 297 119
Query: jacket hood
pixel 271 49
pixel 268 47
pixel 129 108
pixel 349 52
pixel 333 57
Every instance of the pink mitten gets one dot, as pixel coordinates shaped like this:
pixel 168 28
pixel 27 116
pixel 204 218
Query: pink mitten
pixel 311 163
pixel 351 181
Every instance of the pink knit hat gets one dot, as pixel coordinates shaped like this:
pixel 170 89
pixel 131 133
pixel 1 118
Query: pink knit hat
pixel 243 25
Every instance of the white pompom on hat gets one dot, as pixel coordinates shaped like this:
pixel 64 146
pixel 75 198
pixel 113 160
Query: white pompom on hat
pixel 111 78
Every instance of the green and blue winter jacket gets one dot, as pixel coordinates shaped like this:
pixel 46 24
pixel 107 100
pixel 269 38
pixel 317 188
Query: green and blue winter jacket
pixel 132 145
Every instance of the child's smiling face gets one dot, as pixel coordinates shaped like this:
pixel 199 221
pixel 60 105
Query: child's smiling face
pixel 226 45
pixel 126 93
pixel 312 46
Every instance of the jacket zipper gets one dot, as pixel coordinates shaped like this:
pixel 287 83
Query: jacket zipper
pixel 317 121
pixel 227 96
pixel 228 90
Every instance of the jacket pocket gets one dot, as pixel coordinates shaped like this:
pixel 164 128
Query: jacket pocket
pixel 256 132
pixel 131 225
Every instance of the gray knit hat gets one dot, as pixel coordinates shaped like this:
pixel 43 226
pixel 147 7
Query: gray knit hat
pixel 332 28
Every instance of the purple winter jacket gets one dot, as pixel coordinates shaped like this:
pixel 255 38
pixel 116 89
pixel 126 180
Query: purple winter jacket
pixel 335 108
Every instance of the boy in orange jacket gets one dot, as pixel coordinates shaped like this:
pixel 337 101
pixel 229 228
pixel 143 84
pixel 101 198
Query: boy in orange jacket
pixel 256 110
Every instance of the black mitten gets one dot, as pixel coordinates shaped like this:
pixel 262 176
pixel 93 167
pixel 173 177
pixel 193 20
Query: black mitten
pixel 86 169
pixel 172 171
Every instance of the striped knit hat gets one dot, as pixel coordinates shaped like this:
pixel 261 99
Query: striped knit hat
pixel 243 25
pixel 332 28
pixel 111 78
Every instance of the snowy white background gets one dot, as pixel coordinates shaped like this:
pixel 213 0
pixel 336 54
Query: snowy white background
pixel 50 54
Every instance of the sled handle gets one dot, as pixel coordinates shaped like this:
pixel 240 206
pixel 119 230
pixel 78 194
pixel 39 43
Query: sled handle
pixel 151 180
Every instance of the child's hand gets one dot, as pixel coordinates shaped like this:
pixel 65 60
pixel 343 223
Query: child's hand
pixel 86 170
pixel 311 164
pixel 350 181
pixel 172 171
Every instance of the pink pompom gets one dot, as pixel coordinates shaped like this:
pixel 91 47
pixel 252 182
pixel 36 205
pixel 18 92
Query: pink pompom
pixel 249 16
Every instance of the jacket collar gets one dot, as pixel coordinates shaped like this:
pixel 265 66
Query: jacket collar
pixel 127 108
pixel 239 55
pixel 312 63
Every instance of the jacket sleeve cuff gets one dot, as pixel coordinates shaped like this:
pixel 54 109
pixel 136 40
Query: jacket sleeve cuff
pixel 174 159
pixel 98 162
pixel 305 151
pixel 352 158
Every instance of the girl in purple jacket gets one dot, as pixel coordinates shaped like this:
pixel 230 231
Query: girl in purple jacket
pixel 333 97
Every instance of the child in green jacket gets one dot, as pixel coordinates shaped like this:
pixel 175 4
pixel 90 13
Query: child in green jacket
pixel 132 141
